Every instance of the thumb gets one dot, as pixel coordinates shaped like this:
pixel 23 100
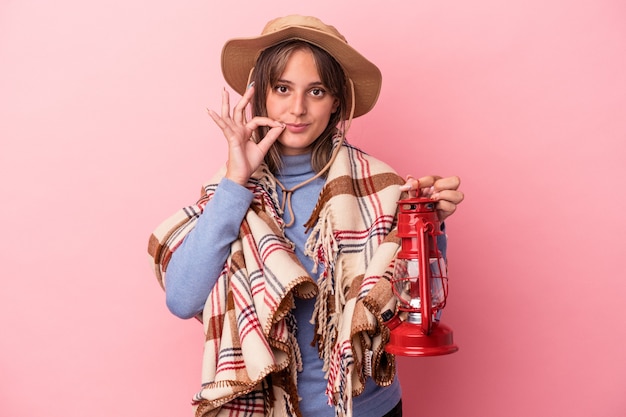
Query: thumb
pixel 268 140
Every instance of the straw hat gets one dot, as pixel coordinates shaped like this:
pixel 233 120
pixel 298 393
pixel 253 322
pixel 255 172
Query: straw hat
pixel 240 55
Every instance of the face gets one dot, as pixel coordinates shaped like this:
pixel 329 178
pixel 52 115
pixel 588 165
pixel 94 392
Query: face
pixel 301 102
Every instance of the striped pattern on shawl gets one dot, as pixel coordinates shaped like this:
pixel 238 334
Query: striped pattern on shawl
pixel 251 357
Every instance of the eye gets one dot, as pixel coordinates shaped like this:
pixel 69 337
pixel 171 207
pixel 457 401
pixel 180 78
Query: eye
pixel 282 89
pixel 318 92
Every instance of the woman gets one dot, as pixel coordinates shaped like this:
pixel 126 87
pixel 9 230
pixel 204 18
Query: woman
pixel 285 256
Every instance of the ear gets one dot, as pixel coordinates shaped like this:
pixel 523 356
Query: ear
pixel 335 105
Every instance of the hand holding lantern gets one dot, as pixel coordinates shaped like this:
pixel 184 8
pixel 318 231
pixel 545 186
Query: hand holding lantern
pixel 420 283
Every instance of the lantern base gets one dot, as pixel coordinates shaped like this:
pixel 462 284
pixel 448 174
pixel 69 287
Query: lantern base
pixel 408 340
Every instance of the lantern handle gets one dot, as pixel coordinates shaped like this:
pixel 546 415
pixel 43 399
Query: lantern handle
pixel 425 278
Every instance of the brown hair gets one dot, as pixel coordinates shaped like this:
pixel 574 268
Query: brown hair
pixel 269 67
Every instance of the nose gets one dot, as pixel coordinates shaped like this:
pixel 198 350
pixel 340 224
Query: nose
pixel 298 104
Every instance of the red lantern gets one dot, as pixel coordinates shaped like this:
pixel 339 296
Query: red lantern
pixel 420 283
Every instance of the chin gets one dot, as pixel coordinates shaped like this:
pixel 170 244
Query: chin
pixel 291 148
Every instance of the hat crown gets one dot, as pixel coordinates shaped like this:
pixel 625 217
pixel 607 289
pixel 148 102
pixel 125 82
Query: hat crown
pixel 308 22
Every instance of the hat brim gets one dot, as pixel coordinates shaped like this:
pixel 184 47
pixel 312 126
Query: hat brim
pixel 239 56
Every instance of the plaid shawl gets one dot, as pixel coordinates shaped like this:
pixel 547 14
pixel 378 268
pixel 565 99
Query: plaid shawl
pixel 251 356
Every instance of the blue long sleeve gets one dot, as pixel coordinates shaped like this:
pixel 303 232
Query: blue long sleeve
pixel 197 263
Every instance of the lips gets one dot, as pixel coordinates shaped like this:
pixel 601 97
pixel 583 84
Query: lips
pixel 296 127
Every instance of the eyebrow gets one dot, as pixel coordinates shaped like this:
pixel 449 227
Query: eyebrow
pixel 313 84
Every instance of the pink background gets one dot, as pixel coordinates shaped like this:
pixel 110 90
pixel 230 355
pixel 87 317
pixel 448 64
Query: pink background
pixel 104 133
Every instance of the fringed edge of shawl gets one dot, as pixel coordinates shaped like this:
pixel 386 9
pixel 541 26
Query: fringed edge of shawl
pixel 276 372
